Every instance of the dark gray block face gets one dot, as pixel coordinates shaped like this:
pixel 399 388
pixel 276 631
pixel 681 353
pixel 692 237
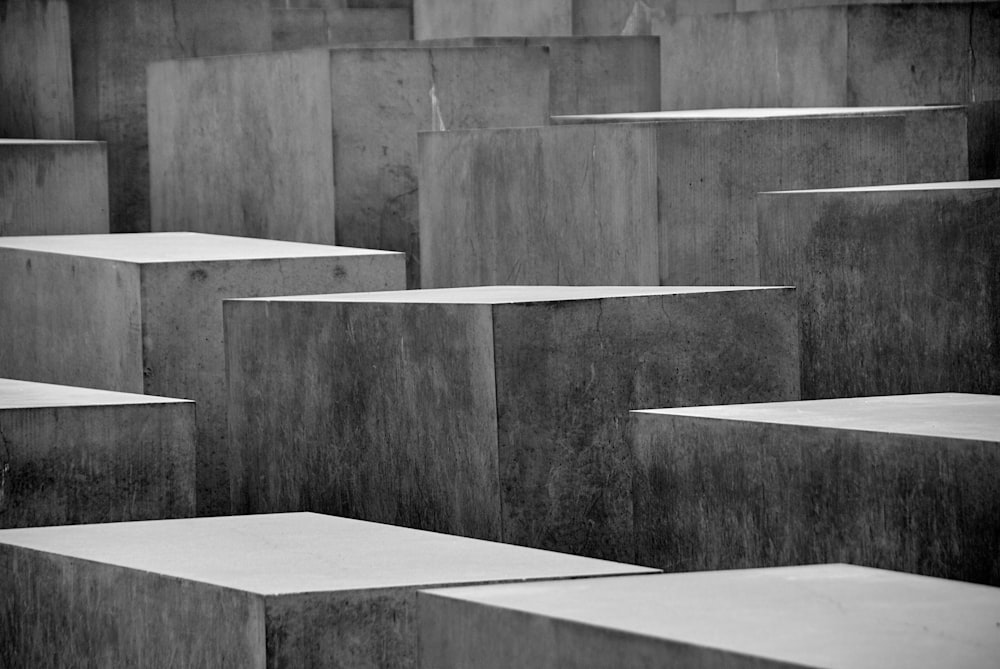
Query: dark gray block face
pixel 295 28
pixel 280 590
pixel 898 286
pixel 489 412
pixel 53 188
pixel 901 482
pixel 434 19
pixel 817 617
pixel 75 455
pixel 143 313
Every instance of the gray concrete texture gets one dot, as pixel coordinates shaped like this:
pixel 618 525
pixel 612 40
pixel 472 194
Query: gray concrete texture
pixel 299 28
pixel 817 617
pixel 142 313
pixel 495 412
pixel 280 590
pixel 435 19
pixel 897 286
pixel 53 187
pixel 76 455
pixel 904 482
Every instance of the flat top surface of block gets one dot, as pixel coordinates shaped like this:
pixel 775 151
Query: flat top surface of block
pixel 15 394
pixel 982 184
pixel 831 616
pixel 156 247
pixel 949 415
pixel 750 113
pixel 505 294
pixel 34 142
pixel 277 554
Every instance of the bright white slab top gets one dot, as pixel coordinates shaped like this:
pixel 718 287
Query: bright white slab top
pixel 15 394
pixel 983 184
pixel 748 113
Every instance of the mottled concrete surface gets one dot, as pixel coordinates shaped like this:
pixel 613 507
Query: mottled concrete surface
pixel 898 287
pixel 433 19
pixel 904 483
pixel 294 28
pixel 823 617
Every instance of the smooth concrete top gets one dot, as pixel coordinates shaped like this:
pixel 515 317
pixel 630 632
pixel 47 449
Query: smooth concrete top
pixel 829 616
pixel 983 184
pixel 947 415
pixel 16 394
pixel 34 142
pixel 289 553
pixel 743 113
pixel 505 294
pixel 165 247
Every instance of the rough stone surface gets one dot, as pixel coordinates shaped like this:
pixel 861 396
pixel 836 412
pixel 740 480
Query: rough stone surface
pixel 53 188
pixel 901 482
pixel 75 455
pixel 303 28
pixel 817 617
pixel 433 19
pixel 492 412
pixel 262 591
pixel 143 313
pixel 897 286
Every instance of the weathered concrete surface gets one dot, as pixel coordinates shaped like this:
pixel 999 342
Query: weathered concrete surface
pixel 567 206
pixel 902 482
pixel 280 590
pixel 36 83
pixel 53 188
pixel 112 43
pixel 821 617
pixel 897 286
pixel 433 19
pixel 143 313
pixel 75 455
pixel 492 412
pixel 303 28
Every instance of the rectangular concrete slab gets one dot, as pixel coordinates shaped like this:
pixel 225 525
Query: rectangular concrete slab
pixel 904 482
pixel 433 19
pixel 494 412
pixel 143 313
pixel 822 617
pixel 897 286
pixel 53 187
pixel 298 590
pixel 311 27
pixel 76 455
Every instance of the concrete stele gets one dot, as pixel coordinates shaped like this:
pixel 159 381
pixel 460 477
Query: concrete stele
pixel 906 482
pixel 435 19
pixel 77 455
pixel 817 617
pixel 249 591
pixel 143 313
pixel 294 28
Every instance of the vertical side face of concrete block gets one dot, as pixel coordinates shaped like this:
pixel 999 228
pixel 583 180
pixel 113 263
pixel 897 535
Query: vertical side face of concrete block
pixel 569 205
pixel 35 73
pixel 242 145
pixel 938 146
pixel 376 411
pixel 70 320
pixel 55 611
pixel 521 18
pixel 985 76
pixel 605 75
pixel 983 121
pixel 53 188
pixel 568 373
pixel 307 28
pixel 709 172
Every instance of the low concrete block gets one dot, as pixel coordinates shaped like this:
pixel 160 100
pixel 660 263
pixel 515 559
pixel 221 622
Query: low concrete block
pixel 304 28
pixel 53 188
pixel 143 313
pixel 905 482
pixel 434 19
pixel 297 590
pixel 493 412
pixel 819 617
pixel 74 455
pixel 897 286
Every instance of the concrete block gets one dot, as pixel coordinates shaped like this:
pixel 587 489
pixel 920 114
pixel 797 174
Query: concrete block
pixel 904 482
pixel 74 455
pixel 36 82
pixel 897 286
pixel 816 617
pixel 53 188
pixel 304 28
pixel 494 412
pixel 142 313
pixel 433 19
pixel 112 43
pixel 298 590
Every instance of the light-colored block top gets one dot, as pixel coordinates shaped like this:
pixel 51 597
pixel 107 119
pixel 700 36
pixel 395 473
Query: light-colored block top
pixel 829 616
pixel 946 415
pixel 289 553
pixel 745 113
pixel 166 247
pixel 982 184
pixel 16 394
pixel 506 294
